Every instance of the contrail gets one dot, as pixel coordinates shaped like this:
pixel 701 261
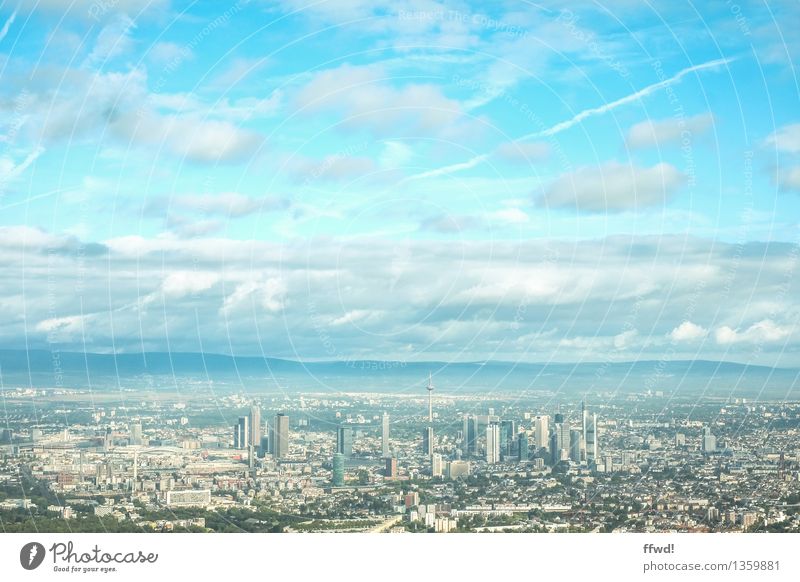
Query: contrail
pixel 559 127
pixel 586 113
pixel 7 25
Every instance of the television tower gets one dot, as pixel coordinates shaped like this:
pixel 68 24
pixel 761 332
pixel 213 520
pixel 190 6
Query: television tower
pixel 430 398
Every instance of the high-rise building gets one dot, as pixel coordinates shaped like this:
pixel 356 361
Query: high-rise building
pixel 338 470
pixel 541 428
pixel 385 434
pixel 437 465
pixel 255 426
pixel 522 447
pixel 280 431
pixel 584 418
pixel 493 443
pixel 136 433
pixel 590 436
pixel 709 441
pixel 470 430
pixel 391 467
pixel 427 441
pixel 241 433
pixel 575 439
pixel 344 441
pixel 559 441
pixel 507 432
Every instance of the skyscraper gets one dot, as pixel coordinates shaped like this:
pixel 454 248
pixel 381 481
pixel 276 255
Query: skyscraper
pixel 522 447
pixel 541 427
pixel 344 441
pixel 709 441
pixel 427 441
pixel 507 433
pixel 241 433
pixel 391 467
pixel 280 442
pixel 590 436
pixel 575 438
pixel 437 465
pixel 493 443
pixel 385 434
pixel 255 426
pixel 136 433
pixel 338 470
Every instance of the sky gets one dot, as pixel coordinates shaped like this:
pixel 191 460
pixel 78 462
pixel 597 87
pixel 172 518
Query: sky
pixel 409 180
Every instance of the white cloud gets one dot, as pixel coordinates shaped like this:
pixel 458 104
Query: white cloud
pixel 660 133
pixel 113 40
pixel 7 26
pixel 383 298
pixel 688 332
pixel 614 187
pixel 789 179
pixel 363 98
pixel 785 139
pixel 182 283
pixel 765 331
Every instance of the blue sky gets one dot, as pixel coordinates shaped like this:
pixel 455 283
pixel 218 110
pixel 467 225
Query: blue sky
pixel 405 180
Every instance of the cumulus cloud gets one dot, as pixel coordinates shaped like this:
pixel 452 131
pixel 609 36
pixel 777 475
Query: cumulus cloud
pixel 785 139
pixel 614 187
pixel 688 332
pixel 765 331
pixel 365 99
pixel 113 40
pixel 375 297
pixel 660 133
pixel 77 105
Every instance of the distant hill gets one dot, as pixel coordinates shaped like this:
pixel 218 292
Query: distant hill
pixel 78 369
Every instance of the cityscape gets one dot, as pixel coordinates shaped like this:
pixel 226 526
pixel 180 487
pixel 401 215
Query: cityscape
pixel 431 461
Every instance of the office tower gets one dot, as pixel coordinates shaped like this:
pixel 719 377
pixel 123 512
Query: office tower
pixel 391 467
pixel 456 469
pixel 522 447
pixel 608 464
pixel 680 439
pixel 241 433
pixel 280 430
pixel 470 444
pixel 264 448
pixel 558 418
pixel 136 433
pixel 590 436
pixel 493 443
pixel 385 434
pixel 255 425
pixel 437 465
pixel 541 427
pixel 575 438
pixel 709 441
pixel 344 441
pixel 427 441
pixel 584 417
pixel 559 441
pixel 507 433
pixel 430 398
pixel 6 436
pixel 338 470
